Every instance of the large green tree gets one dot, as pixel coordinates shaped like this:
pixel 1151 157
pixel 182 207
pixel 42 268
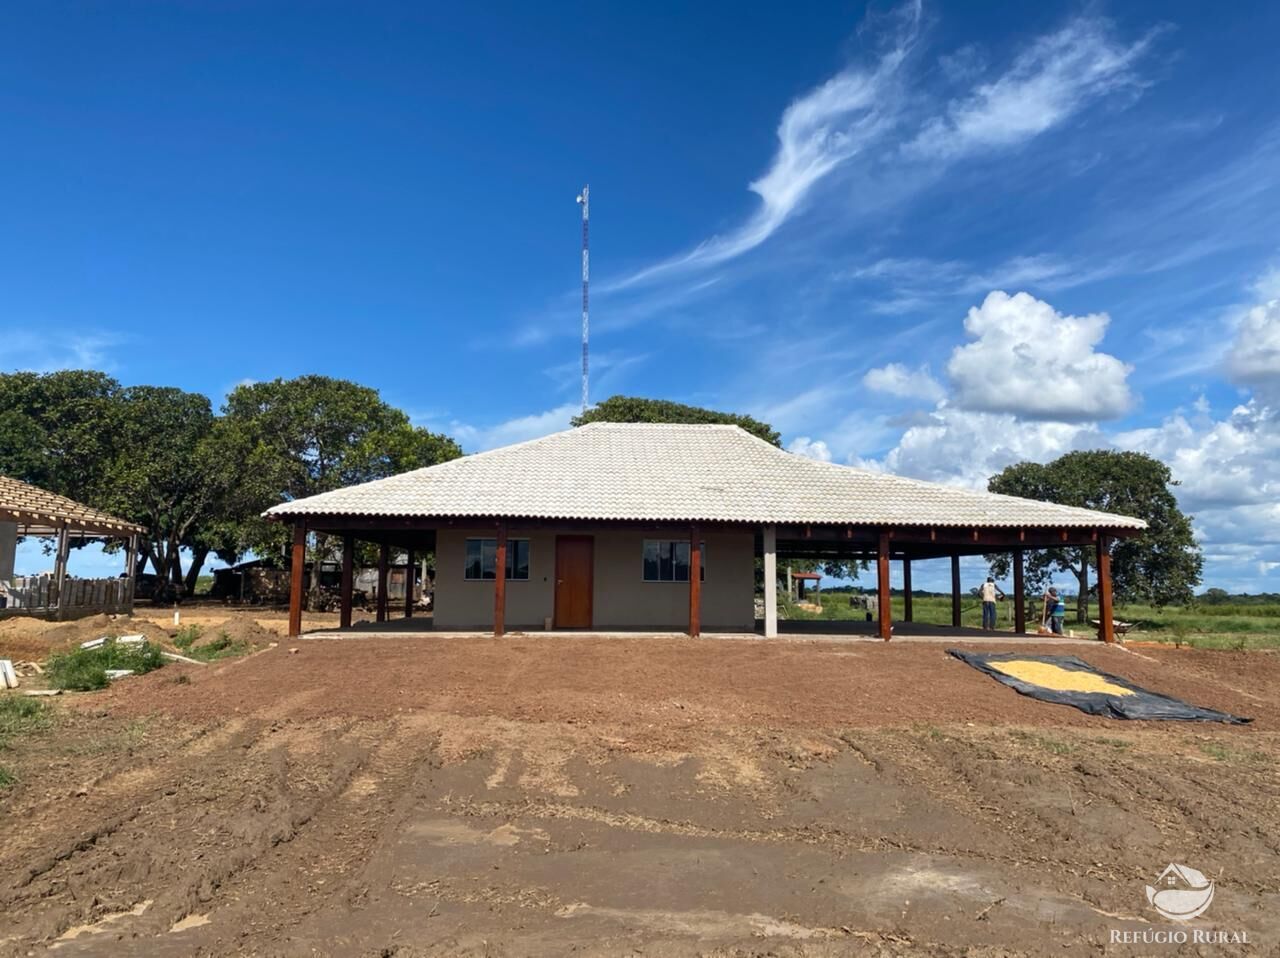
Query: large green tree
pixel 58 430
pixel 1162 566
pixel 314 434
pixel 633 409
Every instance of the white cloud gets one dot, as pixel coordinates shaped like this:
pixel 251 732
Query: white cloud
pixel 966 448
pixel 809 448
pixel 480 438
pixel 897 380
pixel 871 111
pixel 1048 82
pixel 1031 360
pixel 23 350
pixel 1254 357
pixel 817 133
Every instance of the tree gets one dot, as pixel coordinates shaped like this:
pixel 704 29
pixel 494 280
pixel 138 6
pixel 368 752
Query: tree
pixel 57 430
pixel 1162 566
pixel 633 409
pixel 314 434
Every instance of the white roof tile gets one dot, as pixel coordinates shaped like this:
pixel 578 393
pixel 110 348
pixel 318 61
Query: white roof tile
pixel 661 472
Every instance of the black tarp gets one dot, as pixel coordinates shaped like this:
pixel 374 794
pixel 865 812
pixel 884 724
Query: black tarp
pixel 1138 704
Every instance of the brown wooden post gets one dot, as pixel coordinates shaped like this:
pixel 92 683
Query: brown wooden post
pixel 60 572
pixel 500 583
pixel 955 591
pixel 882 581
pixel 297 562
pixel 1106 620
pixel 906 591
pixel 131 571
pixel 1019 599
pixel 695 582
pixel 408 584
pixel 344 590
pixel 384 561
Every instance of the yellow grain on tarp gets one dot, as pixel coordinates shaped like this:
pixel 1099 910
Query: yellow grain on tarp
pixel 1055 677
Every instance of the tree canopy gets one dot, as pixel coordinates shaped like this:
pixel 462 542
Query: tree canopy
pixel 634 409
pixel 1162 566
pixel 159 456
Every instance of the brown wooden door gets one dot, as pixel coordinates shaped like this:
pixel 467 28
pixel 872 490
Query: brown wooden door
pixel 574 563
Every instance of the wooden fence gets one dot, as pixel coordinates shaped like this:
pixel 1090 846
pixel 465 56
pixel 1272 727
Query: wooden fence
pixel 38 595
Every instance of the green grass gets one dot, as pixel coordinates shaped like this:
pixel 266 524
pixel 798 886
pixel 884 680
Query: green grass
pixel 223 647
pixel 1231 626
pixel 19 716
pixel 186 636
pixel 83 670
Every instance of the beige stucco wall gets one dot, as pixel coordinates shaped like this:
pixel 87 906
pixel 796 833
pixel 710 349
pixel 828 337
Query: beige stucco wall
pixel 621 598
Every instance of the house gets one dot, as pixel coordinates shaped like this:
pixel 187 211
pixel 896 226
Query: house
pixel 27 510
pixel 658 527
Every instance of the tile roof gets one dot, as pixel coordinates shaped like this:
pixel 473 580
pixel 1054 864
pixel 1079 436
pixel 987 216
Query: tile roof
pixel 661 472
pixel 43 511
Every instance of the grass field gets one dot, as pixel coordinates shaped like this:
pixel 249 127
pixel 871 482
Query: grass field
pixel 1223 626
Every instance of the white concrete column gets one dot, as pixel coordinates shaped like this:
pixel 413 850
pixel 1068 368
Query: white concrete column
pixel 771 582
pixel 8 548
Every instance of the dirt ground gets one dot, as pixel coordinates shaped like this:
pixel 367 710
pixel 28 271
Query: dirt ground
pixel 546 796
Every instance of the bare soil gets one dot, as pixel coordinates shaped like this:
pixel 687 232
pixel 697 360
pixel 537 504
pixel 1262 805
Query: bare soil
pixel 542 796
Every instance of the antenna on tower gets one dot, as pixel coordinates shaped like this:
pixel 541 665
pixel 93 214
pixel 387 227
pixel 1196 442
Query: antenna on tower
pixel 585 199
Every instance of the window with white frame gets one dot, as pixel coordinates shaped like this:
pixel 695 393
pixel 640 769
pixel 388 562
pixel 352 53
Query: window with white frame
pixel 482 559
pixel 667 560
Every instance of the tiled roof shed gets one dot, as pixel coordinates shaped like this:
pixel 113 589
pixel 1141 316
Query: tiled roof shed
pixel 43 513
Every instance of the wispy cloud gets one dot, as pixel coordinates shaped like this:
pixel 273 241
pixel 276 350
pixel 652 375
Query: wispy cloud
pixel 22 350
pixel 818 132
pixel 1056 76
pixel 882 114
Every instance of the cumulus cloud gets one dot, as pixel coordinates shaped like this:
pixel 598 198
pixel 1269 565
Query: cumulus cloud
pixel 1254 357
pixel 810 448
pixel 897 380
pixel 966 448
pixel 1055 77
pixel 1030 360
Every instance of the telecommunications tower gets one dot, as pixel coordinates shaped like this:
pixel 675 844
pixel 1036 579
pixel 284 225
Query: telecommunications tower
pixel 584 198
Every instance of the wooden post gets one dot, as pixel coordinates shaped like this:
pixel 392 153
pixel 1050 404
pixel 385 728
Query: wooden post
pixel 906 591
pixel 408 584
pixel 695 582
pixel 1106 620
pixel 384 560
pixel 770 582
pixel 60 572
pixel 955 591
pixel 344 589
pixel 500 583
pixel 297 561
pixel 1019 599
pixel 131 572
pixel 882 582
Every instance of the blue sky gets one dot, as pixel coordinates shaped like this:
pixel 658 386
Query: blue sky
pixel 935 239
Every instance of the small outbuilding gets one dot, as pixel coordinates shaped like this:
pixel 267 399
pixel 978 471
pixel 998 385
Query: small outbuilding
pixel 658 527
pixel 27 510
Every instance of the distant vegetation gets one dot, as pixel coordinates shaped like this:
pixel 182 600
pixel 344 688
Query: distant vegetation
pixel 634 409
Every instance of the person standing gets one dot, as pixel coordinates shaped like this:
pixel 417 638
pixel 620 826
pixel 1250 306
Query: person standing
pixel 1055 610
pixel 989 592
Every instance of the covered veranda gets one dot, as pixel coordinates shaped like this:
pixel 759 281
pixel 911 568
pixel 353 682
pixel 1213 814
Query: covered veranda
pixel 878 546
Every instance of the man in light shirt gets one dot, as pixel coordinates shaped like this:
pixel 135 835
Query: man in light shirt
pixel 989 592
